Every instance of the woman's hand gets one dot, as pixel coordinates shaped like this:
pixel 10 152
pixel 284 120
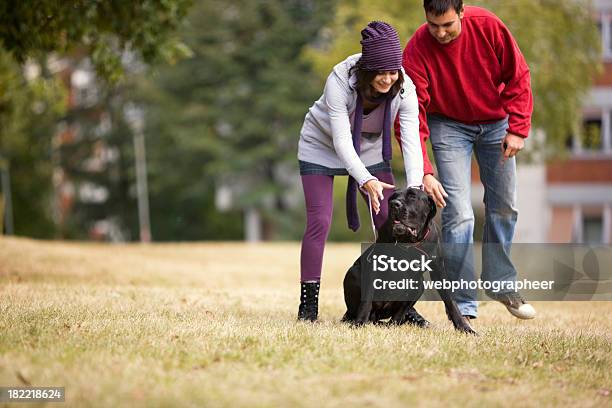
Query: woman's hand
pixel 434 188
pixel 374 189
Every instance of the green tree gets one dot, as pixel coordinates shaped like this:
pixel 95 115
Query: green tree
pixel 32 31
pixel 106 29
pixel 99 163
pixel 229 118
pixel 28 108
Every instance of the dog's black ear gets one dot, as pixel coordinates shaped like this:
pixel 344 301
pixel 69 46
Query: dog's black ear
pixel 432 207
pixel 394 193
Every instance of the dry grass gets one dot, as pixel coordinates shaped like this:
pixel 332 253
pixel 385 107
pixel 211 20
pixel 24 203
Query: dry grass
pixel 214 325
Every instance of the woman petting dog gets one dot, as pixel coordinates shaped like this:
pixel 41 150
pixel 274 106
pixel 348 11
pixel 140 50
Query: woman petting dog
pixel 348 132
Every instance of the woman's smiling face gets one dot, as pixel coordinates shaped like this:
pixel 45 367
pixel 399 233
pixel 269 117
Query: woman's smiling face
pixel 384 80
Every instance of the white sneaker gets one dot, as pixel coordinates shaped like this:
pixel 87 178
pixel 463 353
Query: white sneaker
pixel 516 305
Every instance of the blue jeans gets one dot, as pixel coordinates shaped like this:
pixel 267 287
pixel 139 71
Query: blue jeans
pixel 453 143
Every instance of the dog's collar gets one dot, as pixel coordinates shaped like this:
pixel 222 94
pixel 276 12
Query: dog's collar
pixel 416 245
pixel 426 235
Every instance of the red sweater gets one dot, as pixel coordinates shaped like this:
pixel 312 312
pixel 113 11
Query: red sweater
pixel 479 77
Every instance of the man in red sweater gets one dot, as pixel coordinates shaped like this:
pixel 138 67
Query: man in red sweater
pixel 474 92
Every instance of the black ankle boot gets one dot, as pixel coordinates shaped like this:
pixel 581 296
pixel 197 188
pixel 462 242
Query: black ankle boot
pixel 309 301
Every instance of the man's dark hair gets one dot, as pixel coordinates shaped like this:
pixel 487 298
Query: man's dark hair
pixel 439 7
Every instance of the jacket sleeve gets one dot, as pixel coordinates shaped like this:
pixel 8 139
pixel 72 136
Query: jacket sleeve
pixel 415 69
pixel 408 117
pixel 517 97
pixel 336 96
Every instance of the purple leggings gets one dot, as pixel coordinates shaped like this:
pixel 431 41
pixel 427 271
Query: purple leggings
pixel 318 193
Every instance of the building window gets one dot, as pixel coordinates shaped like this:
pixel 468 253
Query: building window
pixel 595 134
pixel 592 134
pixel 592 229
pixel 592 224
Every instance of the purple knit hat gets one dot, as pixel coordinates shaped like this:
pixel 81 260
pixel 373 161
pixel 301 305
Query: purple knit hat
pixel 380 48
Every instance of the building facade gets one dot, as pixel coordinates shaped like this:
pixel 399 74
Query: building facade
pixel 579 190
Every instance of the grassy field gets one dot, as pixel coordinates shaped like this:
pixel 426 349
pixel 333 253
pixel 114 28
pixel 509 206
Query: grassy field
pixel 213 324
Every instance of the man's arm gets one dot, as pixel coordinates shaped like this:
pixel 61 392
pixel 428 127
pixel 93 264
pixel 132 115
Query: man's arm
pixel 415 69
pixel 517 97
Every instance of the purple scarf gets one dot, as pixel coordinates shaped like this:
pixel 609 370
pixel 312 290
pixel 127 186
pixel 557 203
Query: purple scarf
pixel 351 191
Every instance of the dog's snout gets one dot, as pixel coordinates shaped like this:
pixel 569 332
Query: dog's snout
pixel 395 204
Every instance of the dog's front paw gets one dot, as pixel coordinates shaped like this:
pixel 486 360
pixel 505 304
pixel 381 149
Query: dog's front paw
pixel 357 323
pixel 469 330
pixel 465 327
pixel 414 318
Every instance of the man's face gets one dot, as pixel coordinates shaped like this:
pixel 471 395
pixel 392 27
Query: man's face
pixel 445 28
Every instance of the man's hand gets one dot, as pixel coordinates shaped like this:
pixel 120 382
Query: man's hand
pixel 511 145
pixel 374 189
pixel 434 188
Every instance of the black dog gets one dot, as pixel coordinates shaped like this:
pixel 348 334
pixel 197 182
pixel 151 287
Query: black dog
pixel 411 212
